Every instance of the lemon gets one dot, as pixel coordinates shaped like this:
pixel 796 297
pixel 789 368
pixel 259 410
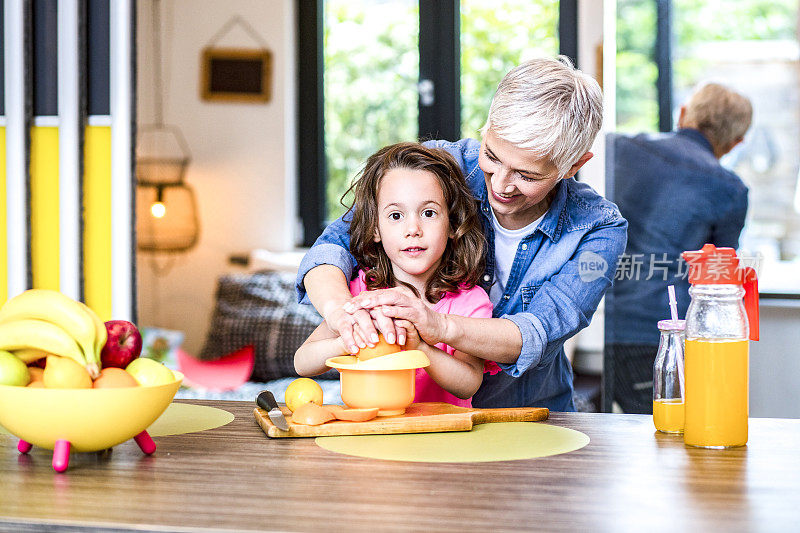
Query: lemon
pixel 302 391
pixel 65 373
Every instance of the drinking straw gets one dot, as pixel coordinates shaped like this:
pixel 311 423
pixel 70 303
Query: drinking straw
pixel 673 309
pixel 673 303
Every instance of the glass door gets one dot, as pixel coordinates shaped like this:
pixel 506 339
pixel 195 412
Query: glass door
pixel 371 72
pixel 495 37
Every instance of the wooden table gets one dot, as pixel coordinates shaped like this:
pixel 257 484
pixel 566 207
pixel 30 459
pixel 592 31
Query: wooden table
pixel 234 478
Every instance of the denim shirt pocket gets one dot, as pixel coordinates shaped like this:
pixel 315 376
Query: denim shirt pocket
pixel 528 292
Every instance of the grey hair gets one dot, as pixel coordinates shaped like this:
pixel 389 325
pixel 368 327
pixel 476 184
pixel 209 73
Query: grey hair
pixel 549 107
pixel 721 114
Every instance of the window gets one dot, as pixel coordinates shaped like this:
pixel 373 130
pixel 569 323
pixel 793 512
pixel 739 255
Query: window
pixel 637 72
pixel 751 45
pixel 371 72
pixel 485 59
pixel 359 72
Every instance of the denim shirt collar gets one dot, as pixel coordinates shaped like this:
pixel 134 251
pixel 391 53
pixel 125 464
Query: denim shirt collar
pixel 552 223
pixel 696 136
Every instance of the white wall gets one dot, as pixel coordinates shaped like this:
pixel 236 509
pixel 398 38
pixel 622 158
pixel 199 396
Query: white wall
pixel 774 365
pixel 590 37
pixel 243 155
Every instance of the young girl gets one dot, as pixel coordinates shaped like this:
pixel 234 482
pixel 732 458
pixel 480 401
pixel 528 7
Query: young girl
pixel 414 224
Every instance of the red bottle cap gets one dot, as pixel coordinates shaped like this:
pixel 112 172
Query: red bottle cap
pixel 711 265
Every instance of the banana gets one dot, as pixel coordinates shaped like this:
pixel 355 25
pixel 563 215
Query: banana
pixel 33 334
pixel 29 355
pixel 58 309
pixel 100 332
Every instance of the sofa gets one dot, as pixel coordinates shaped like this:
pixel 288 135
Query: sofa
pixel 259 309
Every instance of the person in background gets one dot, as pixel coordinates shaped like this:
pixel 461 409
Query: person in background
pixel 553 243
pixel 415 226
pixel 676 196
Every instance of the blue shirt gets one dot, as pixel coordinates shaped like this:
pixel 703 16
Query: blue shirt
pixel 559 274
pixel 676 197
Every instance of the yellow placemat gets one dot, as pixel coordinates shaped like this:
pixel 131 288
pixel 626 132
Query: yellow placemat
pixel 502 441
pixel 186 418
pixel 183 418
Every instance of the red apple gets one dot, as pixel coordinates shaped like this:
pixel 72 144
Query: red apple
pixel 124 344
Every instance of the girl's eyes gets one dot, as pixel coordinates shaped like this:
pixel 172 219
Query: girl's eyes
pixel 492 158
pixel 427 213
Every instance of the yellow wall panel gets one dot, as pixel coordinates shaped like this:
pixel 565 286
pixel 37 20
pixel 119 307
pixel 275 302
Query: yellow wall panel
pixel 44 208
pixel 3 221
pixel 97 220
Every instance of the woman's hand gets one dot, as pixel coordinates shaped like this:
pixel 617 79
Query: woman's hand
pixel 358 327
pixel 401 303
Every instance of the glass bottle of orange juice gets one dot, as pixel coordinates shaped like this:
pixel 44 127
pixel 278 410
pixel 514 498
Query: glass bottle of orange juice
pixel 719 325
pixel 668 382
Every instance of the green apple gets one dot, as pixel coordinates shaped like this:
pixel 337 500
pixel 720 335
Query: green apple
pixel 13 371
pixel 149 372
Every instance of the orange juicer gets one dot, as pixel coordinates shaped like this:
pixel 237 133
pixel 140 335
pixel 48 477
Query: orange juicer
pixel 385 382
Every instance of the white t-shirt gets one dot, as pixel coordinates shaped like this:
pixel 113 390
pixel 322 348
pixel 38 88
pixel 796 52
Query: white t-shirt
pixel 506 242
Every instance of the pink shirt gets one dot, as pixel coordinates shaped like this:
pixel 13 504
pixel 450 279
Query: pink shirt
pixel 472 302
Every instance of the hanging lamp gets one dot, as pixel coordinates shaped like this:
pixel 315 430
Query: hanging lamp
pixel 166 209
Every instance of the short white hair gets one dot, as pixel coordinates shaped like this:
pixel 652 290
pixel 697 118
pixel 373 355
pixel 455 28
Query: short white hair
pixel 549 107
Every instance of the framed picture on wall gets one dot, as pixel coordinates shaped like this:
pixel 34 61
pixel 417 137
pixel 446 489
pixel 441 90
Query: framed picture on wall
pixel 236 75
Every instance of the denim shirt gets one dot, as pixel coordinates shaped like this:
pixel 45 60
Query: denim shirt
pixel 676 197
pixel 558 277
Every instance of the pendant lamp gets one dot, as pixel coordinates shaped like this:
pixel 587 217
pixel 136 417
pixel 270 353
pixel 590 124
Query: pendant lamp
pixel 166 209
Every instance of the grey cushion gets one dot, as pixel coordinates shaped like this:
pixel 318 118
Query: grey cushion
pixel 260 309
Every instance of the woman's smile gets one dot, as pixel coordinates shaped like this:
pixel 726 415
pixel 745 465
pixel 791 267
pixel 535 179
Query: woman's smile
pixel 504 198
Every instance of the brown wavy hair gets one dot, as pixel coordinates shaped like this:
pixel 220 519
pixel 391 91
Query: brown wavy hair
pixel 463 260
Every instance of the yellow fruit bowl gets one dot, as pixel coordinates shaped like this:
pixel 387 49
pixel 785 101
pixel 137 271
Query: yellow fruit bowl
pixel 86 420
pixel 385 382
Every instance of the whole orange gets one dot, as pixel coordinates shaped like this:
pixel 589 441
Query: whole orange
pixel 114 378
pixel 382 348
pixel 37 374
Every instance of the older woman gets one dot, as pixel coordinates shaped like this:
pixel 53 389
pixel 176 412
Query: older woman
pixel 553 243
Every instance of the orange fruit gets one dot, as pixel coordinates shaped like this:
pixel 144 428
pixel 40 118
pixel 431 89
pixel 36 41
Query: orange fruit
pixel 302 391
pixel 36 384
pixel 65 373
pixel 311 414
pixel 37 374
pixel 382 348
pixel 113 378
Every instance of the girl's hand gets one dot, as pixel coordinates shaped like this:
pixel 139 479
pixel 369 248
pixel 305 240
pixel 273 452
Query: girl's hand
pixel 401 303
pixel 413 341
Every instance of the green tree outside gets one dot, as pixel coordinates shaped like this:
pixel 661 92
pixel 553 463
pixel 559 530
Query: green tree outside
pixel 694 23
pixel 372 69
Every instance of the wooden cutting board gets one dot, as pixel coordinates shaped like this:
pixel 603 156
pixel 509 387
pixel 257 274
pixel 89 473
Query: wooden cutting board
pixel 418 418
